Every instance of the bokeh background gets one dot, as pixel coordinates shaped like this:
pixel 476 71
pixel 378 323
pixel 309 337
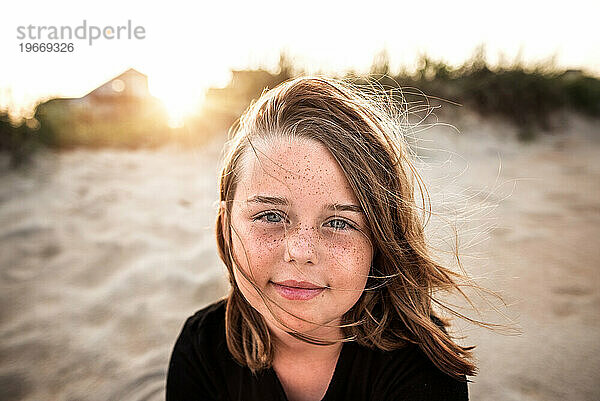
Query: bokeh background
pixel 109 158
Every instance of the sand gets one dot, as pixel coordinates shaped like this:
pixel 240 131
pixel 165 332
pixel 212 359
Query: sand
pixel 103 254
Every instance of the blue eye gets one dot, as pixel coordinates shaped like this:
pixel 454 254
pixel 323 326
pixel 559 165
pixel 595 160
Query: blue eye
pixel 268 215
pixel 274 218
pixel 342 224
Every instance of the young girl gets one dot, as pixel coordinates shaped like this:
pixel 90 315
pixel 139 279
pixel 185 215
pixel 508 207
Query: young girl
pixel 331 277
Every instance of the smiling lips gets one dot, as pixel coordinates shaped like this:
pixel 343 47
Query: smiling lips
pixel 297 290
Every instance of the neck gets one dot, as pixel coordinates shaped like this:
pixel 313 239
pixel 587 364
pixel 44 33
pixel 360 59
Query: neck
pixel 287 345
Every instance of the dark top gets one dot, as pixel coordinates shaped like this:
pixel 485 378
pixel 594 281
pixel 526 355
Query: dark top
pixel 201 368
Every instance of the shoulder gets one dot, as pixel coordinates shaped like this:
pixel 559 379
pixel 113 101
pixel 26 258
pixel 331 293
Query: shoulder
pixel 201 342
pixel 206 321
pixel 407 373
pixel 209 314
pixel 204 330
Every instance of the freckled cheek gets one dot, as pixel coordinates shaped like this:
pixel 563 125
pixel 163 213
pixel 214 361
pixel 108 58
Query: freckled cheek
pixel 264 241
pixel 260 246
pixel 350 261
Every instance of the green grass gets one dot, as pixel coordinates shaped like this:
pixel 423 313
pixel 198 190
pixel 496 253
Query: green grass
pixel 528 96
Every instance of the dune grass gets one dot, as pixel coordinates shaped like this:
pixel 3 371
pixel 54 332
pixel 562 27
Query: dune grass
pixel 528 96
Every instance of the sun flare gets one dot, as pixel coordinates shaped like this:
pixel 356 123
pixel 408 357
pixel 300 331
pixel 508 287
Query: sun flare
pixel 179 103
pixel 179 98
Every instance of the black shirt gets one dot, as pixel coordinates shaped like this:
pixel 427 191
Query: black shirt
pixel 201 368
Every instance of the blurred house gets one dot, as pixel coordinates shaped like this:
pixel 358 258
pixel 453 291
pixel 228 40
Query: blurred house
pixel 131 84
pixel 124 94
pixel 119 98
pixel 112 113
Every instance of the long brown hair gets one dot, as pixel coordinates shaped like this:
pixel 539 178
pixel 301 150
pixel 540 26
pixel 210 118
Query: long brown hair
pixel 367 141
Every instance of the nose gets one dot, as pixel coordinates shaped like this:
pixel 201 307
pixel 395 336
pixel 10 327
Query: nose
pixel 301 246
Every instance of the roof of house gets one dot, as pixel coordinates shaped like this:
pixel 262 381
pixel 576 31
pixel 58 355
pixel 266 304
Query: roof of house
pixel 130 71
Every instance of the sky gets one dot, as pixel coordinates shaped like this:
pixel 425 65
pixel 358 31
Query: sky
pixel 189 46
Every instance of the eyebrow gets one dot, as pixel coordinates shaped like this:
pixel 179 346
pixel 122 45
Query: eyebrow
pixel 278 200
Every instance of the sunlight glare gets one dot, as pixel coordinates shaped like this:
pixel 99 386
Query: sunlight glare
pixel 179 101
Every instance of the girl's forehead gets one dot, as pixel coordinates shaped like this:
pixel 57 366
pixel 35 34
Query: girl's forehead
pixel 293 168
pixel 295 159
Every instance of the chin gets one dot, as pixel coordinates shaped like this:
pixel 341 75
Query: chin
pixel 316 321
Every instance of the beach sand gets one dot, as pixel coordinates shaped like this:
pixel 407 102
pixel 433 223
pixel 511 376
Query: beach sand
pixel 104 254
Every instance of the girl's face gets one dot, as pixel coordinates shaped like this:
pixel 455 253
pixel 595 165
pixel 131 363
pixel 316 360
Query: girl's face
pixel 301 235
